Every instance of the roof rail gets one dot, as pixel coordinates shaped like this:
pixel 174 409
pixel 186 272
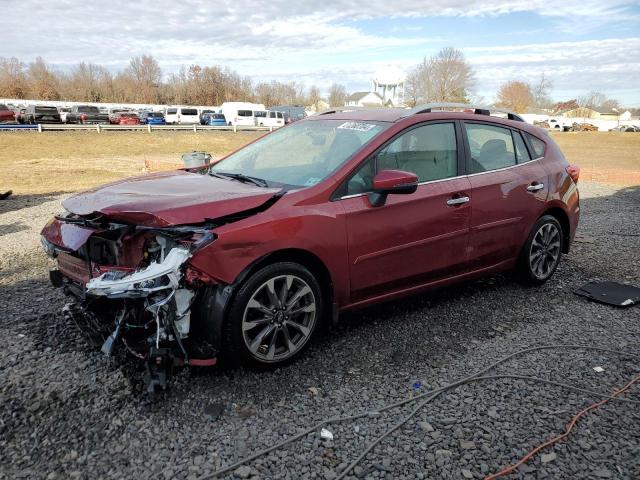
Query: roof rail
pixel 429 107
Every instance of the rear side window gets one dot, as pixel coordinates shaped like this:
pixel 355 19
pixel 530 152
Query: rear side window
pixel 522 154
pixel 261 114
pixel 491 147
pixel 428 151
pixel 189 111
pixel 279 114
pixel 537 145
pixel 245 113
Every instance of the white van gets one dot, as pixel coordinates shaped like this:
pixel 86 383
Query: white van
pixel 273 119
pixel 241 113
pixel 181 116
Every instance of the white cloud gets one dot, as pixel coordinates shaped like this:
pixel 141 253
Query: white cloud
pixel 311 41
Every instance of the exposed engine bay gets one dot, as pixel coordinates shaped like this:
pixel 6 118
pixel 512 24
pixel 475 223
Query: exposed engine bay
pixel 132 287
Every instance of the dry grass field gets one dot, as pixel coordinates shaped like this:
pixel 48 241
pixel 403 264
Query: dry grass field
pixel 36 163
pixel 44 163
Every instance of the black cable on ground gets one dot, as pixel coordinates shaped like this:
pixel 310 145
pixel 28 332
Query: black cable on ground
pixel 430 396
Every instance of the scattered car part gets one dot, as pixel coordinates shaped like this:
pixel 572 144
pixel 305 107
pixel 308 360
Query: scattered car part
pixel 611 293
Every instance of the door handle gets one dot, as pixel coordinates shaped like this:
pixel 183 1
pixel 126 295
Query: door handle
pixel 534 187
pixel 457 200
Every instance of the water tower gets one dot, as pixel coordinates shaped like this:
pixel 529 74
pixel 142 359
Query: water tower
pixel 388 82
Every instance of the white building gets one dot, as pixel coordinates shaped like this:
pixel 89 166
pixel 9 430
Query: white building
pixel 364 99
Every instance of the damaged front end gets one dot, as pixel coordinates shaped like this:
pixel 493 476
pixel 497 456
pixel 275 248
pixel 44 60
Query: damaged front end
pixel 133 288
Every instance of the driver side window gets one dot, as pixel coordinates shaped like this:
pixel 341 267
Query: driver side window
pixel 429 151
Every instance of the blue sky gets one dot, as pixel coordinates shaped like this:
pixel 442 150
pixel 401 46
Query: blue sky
pixel 581 45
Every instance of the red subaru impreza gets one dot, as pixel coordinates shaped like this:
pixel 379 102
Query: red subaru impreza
pixel 245 259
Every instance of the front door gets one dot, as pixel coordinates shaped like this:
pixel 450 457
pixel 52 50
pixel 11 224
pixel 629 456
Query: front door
pixel 416 238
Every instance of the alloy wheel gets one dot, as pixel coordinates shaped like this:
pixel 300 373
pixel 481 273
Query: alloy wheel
pixel 279 318
pixel 545 251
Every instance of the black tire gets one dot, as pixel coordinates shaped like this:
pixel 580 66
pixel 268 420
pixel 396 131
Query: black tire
pixel 235 342
pixel 538 262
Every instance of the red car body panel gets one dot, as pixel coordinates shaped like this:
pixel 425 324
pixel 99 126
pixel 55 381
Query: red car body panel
pixel 370 253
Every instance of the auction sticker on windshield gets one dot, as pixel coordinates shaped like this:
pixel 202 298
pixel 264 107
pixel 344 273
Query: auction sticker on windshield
pixel 359 126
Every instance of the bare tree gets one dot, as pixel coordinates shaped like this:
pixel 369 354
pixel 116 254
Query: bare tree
pixel 337 95
pixel 87 81
pixel 145 75
pixel 592 100
pixel 313 96
pixel 445 77
pixel 43 82
pixel 13 80
pixel 516 96
pixel 541 92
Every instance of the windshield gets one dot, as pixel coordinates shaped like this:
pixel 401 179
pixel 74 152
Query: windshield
pixel 302 154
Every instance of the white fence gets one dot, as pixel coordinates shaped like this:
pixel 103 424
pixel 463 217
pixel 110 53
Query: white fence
pixel 48 127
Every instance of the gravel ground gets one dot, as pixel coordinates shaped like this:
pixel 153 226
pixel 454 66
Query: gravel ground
pixel 67 412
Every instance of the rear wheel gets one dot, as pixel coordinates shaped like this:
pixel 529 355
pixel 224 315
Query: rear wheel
pixel 274 316
pixel 540 255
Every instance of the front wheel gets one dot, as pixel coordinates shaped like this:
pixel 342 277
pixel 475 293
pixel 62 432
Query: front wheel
pixel 273 317
pixel 540 255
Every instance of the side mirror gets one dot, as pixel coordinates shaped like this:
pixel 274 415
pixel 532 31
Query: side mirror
pixel 392 181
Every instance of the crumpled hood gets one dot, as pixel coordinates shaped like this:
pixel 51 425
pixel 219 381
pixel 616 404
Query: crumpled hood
pixel 169 198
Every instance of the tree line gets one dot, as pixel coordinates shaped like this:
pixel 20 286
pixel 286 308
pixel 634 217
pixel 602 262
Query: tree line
pixel 444 77
pixel 142 82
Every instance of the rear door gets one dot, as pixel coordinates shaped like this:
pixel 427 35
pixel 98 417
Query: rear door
pixel 416 238
pixel 509 188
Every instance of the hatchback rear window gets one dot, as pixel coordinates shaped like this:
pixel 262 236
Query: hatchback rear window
pixel 245 113
pixel 537 145
pixel 218 116
pixel 522 154
pixel 155 114
pixel 172 111
pixel 88 110
pixel 189 111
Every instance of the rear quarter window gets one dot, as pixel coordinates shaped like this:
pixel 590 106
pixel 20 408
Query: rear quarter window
pixel 537 145
pixel 245 113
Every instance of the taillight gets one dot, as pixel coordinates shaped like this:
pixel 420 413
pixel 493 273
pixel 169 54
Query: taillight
pixel 83 117
pixel 574 172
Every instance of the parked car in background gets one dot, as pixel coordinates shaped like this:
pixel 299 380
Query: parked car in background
pixel 292 113
pixel 152 118
pixel 35 114
pixel 63 111
pixel 213 119
pixel 6 114
pixel 181 116
pixel 247 258
pixel 127 118
pixel 87 114
pixel 114 114
pixel 241 113
pixel 20 114
pixel 271 119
